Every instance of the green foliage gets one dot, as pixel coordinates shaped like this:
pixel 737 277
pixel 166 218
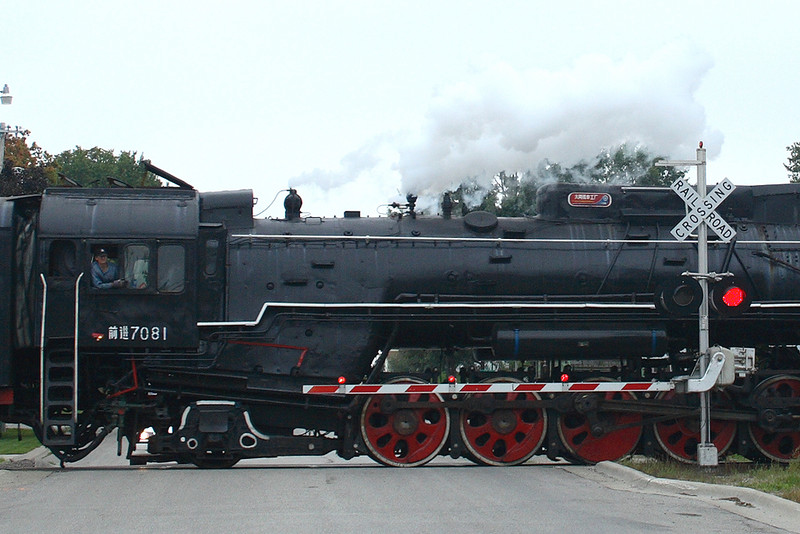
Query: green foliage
pixel 794 162
pixel 435 363
pixel 468 197
pixel 632 167
pixel 30 169
pixel 511 195
pixel 621 166
pixel 514 195
pixel 94 167
pixel 26 169
pixel 414 361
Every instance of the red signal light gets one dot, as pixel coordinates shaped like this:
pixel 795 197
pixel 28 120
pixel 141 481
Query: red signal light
pixel 342 380
pixel 731 297
pixel 451 379
pixel 734 297
pixel 564 377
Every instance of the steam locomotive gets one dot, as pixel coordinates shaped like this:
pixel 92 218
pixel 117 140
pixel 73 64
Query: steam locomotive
pixel 220 319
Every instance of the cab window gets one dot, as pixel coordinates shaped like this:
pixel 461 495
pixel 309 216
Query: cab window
pixel 171 268
pixel 63 259
pixel 106 269
pixel 137 266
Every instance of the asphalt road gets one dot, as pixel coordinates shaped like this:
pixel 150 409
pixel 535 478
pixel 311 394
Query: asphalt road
pixel 102 494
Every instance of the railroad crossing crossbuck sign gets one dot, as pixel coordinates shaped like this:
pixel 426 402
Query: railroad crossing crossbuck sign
pixel 702 209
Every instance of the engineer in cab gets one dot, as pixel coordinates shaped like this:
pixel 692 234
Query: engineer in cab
pixel 105 274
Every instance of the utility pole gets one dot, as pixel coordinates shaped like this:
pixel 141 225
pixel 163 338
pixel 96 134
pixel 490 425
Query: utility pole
pixel 5 99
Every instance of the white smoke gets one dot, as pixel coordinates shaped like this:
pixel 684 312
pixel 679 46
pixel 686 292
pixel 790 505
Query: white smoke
pixel 503 119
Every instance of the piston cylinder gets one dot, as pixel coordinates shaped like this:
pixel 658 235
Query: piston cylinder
pixel 578 341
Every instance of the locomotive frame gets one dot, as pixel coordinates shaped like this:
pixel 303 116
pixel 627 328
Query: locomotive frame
pixel 226 317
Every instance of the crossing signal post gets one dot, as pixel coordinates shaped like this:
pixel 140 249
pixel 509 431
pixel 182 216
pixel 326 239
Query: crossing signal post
pixel 700 214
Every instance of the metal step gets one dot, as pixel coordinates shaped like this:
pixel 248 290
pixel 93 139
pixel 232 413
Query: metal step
pixel 59 394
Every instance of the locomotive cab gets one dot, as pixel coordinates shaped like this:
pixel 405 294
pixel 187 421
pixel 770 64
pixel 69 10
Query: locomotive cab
pixel 144 295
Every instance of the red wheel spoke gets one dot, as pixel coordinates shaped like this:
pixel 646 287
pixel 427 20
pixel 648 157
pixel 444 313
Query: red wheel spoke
pixel 679 438
pixel 405 437
pixel 576 433
pixel 775 443
pixel 505 436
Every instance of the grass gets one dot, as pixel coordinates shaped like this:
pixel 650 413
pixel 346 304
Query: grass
pixel 777 479
pixel 10 444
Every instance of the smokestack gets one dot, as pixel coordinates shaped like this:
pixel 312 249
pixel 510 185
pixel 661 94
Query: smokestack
pixel 447 206
pixel 292 204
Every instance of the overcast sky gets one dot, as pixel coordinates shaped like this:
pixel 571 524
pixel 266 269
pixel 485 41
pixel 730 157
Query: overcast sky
pixel 357 103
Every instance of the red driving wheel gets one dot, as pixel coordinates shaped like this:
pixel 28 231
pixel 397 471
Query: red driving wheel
pixel 502 435
pixel 679 438
pixel 404 437
pixel 619 435
pixel 769 438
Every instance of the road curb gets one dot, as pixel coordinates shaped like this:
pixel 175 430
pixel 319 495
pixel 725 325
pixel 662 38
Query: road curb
pixel 747 502
pixel 38 457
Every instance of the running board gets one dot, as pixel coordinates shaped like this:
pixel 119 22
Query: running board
pixel 721 371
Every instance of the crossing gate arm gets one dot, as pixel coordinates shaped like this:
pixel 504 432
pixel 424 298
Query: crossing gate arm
pixel 721 359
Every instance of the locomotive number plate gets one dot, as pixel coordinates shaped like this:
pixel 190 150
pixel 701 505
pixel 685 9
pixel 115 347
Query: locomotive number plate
pixel 137 333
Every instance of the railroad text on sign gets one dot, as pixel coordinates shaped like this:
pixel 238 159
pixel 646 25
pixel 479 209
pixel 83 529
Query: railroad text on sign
pixel 703 209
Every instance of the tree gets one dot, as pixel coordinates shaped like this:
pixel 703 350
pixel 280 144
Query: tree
pixel 469 196
pixel 620 166
pixel 514 194
pixel 93 167
pixel 26 169
pixel 511 195
pixel 624 166
pixel 794 162
pixel 30 169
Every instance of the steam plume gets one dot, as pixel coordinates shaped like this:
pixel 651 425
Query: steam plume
pixel 501 118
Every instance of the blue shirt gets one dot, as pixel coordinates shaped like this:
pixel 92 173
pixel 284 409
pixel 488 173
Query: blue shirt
pixel 102 279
